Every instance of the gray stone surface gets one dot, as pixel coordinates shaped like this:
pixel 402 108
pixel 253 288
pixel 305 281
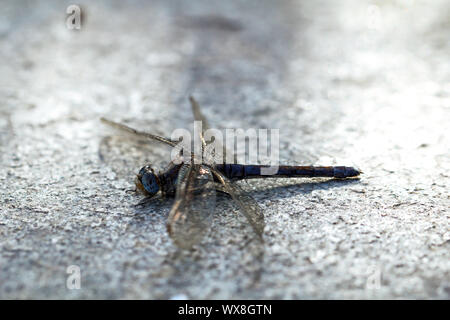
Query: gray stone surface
pixel 350 83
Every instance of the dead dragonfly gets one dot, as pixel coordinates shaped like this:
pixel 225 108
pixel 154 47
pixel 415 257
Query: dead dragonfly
pixel 194 185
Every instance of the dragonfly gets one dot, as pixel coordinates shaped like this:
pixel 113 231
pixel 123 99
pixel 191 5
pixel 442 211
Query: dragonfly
pixel 194 184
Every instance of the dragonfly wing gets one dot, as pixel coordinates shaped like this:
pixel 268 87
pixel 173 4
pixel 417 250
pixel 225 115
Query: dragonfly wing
pixel 132 149
pixel 138 133
pixel 198 116
pixel 191 215
pixel 126 156
pixel 249 207
pixel 126 153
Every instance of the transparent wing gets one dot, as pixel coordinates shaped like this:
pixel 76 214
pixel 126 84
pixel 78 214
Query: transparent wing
pixel 125 157
pixel 248 206
pixel 135 132
pixel 191 215
pixel 129 150
pixel 198 116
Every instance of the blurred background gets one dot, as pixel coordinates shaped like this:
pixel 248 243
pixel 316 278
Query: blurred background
pixel 357 83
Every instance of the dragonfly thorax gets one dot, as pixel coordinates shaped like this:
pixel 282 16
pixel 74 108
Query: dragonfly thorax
pixel 147 181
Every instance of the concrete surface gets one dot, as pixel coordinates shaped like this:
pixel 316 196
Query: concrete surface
pixel 356 83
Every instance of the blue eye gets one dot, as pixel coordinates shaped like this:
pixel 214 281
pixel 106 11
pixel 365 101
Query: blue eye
pixel 149 180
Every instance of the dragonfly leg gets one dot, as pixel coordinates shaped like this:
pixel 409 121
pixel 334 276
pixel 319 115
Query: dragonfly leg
pixel 142 203
pixel 146 201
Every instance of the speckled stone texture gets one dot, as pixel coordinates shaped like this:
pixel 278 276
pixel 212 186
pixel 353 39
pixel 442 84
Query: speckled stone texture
pixel 347 83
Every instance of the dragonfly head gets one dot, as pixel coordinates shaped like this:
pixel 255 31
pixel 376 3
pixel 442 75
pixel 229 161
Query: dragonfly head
pixel 147 181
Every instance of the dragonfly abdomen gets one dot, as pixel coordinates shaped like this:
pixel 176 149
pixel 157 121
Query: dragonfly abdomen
pixel 313 171
pixel 239 171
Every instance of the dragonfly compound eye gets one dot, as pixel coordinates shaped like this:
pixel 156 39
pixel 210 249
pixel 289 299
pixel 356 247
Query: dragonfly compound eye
pixel 149 180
